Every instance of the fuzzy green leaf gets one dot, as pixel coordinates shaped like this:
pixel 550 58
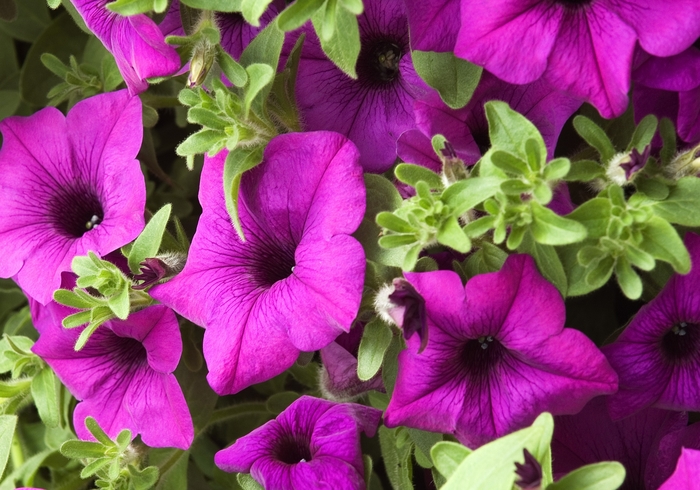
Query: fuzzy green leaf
pixel 454 78
pixel 412 174
pixel 661 240
pixel 608 475
pixel 45 391
pixel 148 242
pixel 296 14
pixel 375 341
pixel 343 47
pixel 549 228
pixel 682 204
pixel 584 171
pixel 594 136
pixel 447 456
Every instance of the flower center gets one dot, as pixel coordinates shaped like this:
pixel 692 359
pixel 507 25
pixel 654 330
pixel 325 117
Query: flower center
pixel 293 449
pixel 273 263
pixel 681 342
pixel 378 62
pixel 481 355
pixel 127 353
pixel 75 210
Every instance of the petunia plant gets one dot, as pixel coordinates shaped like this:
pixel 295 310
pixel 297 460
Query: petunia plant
pixel 352 244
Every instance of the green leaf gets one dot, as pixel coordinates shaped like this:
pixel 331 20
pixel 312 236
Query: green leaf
pixel 343 47
pixel 549 228
pixel 76 319
pixel 396 457
pixel 652 188
pixel 329 14
pixel 70 298
pixel 217 5
pixel 259 77
pixel 247 482
pixel 584 171
pixel 148 242
pixel 509 130
pixel 682 204
pixel 668 136
pixel 629 281
pixel 411 174
pixel 200 142
pixel 7 431
pixel 466 194
pixel 547 260
pixel 381 196
pixel 509 163
pixel 237 162
pixel 97 432
pixel 83 449
pixel 120 304
pixel 61 38
pixel 594 136
pixel 661 240
pixel 375 341
pixel 134 7
pixel 598 274
pixel 393 241
pixel 393 223
pixel 491 466
pixel 31 18
pixel 94 466
pixel 236 74
pixel 252 10
pixel 557 169
pixel 454 78
pixel 515 187
pixel 608 475
pixel 448 455
pixel 143 479
pixel 643 133
pixel 451 235
pixel 45 391
pixel 594 215
pixel 354 6
pixel 296 14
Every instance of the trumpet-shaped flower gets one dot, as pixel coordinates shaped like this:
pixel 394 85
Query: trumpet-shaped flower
pixel 498 356
pixel 123 376
pixel 657 356
pixel 69 185
pixel 314 443
pixel 374 109
pixel 137 44
pixel 295 283
pixel 582 46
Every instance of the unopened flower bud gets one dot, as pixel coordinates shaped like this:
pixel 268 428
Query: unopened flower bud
pixel 400 304
pixel 623 166
pixel 157 269
pixel 453 168
pixel 203 56
pixel 684 164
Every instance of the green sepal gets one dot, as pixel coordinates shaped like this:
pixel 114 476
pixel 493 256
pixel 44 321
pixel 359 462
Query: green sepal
pixel 549 228
pixel 411 174
pixel 594 136
pixel 374 344
pixel 455 79
pixel 148 242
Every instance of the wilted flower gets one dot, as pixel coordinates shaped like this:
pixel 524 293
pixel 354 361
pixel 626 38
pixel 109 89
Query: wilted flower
pixel 69 185
pixel 314 443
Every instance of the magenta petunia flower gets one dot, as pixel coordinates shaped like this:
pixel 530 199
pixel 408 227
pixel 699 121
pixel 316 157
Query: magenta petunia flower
pixel 236 33
pixel 69 185
pixel 647 443
pixel 377 107
pixel 687 472
pixel 123 376
pixel 498 356
pixel 137 44
pixel 295 283
pixel 338 376
pixel 657 356
pixel 314 443
pixel 582 46
pixel 433 25
pixel 670 87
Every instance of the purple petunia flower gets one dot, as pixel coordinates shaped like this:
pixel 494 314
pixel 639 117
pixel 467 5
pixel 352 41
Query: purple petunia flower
pixel 314 443
pixel 123 376
pixel 670 87
pixel 657 356
pixel 137 44
pixel 338 376
pixel 647 443
pixel 433 24
pixel 687 472
pixel 69 185
pixel 498 356
pixel 377 107
pixel 295 283
pixel 582 46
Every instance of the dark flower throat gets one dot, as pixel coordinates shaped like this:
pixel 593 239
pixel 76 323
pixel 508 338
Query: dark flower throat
pixel 378 62
pixel 681 342
pixel 293 449
pixel 75 210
